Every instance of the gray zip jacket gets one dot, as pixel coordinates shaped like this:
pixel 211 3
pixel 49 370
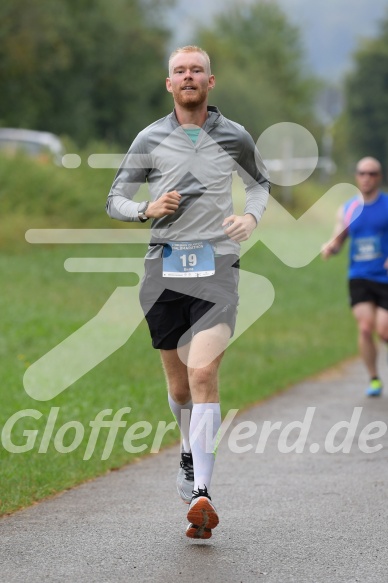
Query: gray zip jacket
pixel 165 157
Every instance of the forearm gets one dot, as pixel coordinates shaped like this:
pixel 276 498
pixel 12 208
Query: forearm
pixel 133 172
pixel 256 200
pixel 337 242
pixel 333 246
pixel 122 209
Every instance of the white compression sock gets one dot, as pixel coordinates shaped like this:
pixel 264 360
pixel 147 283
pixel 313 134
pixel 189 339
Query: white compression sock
pixel 182 414
pixel 205 423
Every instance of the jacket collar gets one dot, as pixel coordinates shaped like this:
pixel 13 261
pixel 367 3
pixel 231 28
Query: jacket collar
pixel 214 117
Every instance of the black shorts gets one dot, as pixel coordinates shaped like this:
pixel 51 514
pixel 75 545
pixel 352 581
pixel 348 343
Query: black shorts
pixel 177 306
pixel 366 290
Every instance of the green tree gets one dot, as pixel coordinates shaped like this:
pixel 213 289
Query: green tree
pixel 258 60
pixel 367 98
pixel 90 69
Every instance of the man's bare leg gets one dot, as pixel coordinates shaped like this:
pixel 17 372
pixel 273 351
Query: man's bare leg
pixel 365 314
pixel 370 319
pixel 179 395
pixel 382 324
pixel 203 360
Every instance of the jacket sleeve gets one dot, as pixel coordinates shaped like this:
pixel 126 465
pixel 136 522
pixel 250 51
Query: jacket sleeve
pixel 133 172
pixel 251 169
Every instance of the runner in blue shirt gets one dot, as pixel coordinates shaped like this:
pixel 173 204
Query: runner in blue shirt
pixel 364 219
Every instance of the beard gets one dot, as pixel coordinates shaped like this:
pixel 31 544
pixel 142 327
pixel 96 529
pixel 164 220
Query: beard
pixel 190 99
pixel 369 190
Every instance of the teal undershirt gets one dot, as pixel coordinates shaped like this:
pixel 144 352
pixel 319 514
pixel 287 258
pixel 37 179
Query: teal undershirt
pixel 193 134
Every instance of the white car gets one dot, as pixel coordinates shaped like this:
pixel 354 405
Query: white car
pixel 43 145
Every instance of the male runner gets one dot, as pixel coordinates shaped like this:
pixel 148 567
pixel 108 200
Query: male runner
pixel 189 290
pixel 368 264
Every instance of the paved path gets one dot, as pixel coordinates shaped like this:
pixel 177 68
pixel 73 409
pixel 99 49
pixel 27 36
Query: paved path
pixel 284 517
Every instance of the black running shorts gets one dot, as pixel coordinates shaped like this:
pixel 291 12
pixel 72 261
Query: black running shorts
pixel 366 290
pixel 177 306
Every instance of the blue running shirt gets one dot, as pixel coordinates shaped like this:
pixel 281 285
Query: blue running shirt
pixel 368 234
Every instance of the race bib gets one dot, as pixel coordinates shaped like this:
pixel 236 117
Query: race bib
pixel 366 248
pixel 188 259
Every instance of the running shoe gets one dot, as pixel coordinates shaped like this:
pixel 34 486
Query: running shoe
pixel 202 515
pixel 375 388
pixel 185 478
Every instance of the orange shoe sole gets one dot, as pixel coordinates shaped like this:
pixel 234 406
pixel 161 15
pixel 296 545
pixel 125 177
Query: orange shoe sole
pixel 203 518
pixel 194 531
